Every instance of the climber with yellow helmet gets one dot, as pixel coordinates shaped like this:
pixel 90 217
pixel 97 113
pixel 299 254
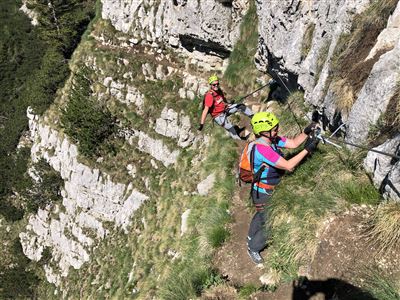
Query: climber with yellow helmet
pixel 215 104
pixel 269 163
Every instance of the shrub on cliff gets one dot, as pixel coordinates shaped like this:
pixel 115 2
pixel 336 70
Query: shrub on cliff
pixel 85 120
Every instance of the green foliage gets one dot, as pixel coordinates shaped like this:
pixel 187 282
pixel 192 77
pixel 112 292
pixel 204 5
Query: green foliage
pixel 247 290
pixel 213 222
pixel 46 190
pixel 62 23
pixel 85 120
pixel 380 284
pixel 186 281
pixel 33 68
pixel 45 81
pixel 359 192
pixel 10 180
pixel 241 72
pixel 16 280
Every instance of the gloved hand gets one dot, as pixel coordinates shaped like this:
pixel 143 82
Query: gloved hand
pixel 311 144
pixel 200 127
pixel 310 128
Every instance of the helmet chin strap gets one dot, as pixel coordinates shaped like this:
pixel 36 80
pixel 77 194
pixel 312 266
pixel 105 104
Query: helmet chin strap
pixel 271 138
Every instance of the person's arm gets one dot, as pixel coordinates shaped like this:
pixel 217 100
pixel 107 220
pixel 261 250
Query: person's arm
pixel 299 139
pixel 290 164
pixel 208 102
pixel 295 142
pixel 204 115
pixel 272 158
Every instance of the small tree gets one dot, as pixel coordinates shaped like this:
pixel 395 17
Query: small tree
pixel 85 120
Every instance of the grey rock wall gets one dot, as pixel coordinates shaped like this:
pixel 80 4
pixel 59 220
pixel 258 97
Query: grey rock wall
pixel 212 23
pixel 90 198
pixel 281 52
pixel 198 29
pixel 375 95
pixel 282 27
pixel 385 170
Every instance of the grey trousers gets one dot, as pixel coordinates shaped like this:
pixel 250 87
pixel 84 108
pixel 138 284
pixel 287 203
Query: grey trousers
pixel 223 121
pixel 258 232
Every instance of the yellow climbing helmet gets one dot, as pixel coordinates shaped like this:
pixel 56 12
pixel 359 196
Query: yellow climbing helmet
pixel 213 78
pixel 263 121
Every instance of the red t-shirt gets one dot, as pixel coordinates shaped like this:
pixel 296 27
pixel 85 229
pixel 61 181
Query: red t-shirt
pixel 215 101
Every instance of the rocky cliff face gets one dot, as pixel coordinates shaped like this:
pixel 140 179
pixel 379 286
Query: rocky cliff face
pixel 168 40
pixel 90 198
pixel 299 46
pixel 204 30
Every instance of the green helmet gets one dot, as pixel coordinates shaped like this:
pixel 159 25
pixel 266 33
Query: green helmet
pixel 263 121
pixel 212 78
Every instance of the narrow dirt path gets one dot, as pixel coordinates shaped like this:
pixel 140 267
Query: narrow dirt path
pixel 232 259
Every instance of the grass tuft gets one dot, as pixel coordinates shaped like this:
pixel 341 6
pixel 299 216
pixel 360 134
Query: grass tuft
pixel 380 285
pixel 307 40
pixel 384 227
pixel 241 72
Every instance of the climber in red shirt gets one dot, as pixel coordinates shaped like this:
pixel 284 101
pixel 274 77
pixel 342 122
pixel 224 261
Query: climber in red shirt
pixel 215 104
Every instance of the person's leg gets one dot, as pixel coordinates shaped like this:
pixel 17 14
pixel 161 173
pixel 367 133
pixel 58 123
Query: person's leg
pixel 257 235
pixel 239 107
pixel 223 121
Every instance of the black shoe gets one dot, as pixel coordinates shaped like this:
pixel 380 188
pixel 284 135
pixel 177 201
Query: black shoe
pixel 255 256
pixel 245 138
pixel 239 130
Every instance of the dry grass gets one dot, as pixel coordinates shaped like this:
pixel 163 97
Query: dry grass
pixel 384 227
pixel 344 95
pixel 307 40
pixel 223 291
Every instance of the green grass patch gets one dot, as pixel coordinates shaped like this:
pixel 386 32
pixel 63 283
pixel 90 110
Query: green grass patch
pixel 321 185
pixel 85 120
pixel 241 72
pixel 380 284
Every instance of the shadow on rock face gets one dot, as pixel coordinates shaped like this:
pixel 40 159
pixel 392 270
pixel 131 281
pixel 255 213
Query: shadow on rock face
pixel 331 288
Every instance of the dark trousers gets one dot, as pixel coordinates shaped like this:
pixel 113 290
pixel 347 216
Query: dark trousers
pixel 258 233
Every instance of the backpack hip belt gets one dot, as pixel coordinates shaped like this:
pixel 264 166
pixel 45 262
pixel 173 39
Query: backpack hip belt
pixel 264 185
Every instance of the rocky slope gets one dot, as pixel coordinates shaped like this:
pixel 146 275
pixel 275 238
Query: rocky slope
pixel 300 42
pixel 148 62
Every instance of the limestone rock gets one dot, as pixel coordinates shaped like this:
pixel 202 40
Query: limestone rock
pixel 30 13
pixel 389 37
pixel 89 199
pixel 375 95
pixel 156 148
pixel 184 224
pixel 195 28
pixel 124 93
pixel 204 187
pixel 170 124
pixel 385 170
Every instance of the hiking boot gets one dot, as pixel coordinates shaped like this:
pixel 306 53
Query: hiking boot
pixel 245 138
pixel 239 129
pixel 255 256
